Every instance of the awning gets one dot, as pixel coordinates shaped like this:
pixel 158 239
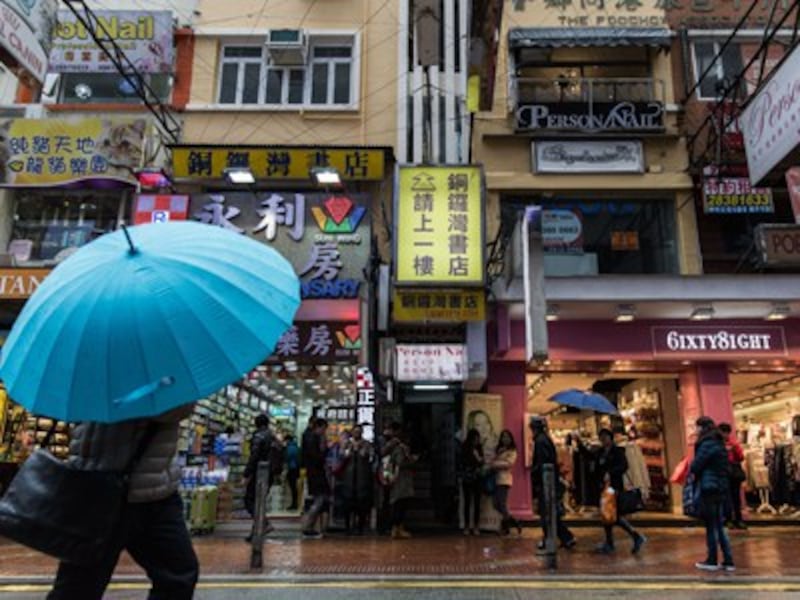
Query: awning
pixel 577 37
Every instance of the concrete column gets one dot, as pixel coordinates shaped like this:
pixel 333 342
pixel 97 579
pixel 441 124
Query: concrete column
pixel 507 379
pixel 705 391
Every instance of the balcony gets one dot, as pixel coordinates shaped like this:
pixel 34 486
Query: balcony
pixel 594 105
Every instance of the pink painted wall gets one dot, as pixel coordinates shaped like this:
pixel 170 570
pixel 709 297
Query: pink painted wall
pixel 508 379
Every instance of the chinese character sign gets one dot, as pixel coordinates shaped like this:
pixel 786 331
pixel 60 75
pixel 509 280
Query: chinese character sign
pixel 55 151
pixel 352 164
pixel 319 342
pixel 326 237
pixel 439 306
pixel 439 226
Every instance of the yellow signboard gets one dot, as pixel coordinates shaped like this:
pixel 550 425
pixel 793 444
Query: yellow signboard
pixel 43 152
pixel 276 163
pixel 439 224
pixel 439 306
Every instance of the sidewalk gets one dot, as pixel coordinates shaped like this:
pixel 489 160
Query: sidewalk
pixel 670 553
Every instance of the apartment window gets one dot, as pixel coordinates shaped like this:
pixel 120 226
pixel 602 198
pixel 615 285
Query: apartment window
pixel 726 68
pixel 247 77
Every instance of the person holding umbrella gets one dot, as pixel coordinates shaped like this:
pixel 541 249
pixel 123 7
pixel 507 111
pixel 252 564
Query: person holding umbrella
pixel 122 338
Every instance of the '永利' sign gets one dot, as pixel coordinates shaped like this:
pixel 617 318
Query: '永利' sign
pixel 439 226
pixel 326 237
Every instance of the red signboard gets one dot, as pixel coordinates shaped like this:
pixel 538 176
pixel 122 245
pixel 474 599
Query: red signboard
pixel 718 341
pixel 160 208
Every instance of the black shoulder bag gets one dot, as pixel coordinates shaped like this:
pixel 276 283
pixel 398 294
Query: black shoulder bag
pixel 69 513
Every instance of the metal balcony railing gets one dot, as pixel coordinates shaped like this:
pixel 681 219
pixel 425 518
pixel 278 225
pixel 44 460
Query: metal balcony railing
pixel 532 90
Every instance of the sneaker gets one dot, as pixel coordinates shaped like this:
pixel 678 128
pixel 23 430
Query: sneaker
pixel 728 567
pixel 706 566
pixel 605 549
pixel 638 543
pixel 740 525
pixel 570 544
pixel 312 534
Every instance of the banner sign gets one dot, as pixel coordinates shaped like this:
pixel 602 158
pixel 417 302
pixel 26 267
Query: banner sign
pixel 710 341
pixel 326 237
pixel 160 208
pixel 793 185
pixel 735 195
pixel 588 157
pixel 778 245
pixel 276 163
pixel 770 120
pixel 26 29
pixel 365 402
pixel 430 362
pixel 145 37
pixel 20 284
pixel 439 306
pixel 597 116
pixel 439 226
pixel 47 152
pixel 319 342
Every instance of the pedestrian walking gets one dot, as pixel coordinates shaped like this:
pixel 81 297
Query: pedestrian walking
pixel 711 470
pixel 358 481
pixel 396 473
pixel 315 451
pixel 612 465
pixel 544 453
pixel 262 449
pixel 737 476
pixel 152 527
pixel 472 472
pixel 503 464
pixel 292 469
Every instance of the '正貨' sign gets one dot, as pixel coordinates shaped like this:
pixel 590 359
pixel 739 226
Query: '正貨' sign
pixel 723 342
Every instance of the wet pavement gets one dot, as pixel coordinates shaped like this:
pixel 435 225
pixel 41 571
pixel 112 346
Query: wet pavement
pixel 670 553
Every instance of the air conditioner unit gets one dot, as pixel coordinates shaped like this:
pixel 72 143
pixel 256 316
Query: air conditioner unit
pixel 287 47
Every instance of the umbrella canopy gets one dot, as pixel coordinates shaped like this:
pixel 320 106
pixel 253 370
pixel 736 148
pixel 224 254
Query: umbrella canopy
pixel 143 320
pixel 585 401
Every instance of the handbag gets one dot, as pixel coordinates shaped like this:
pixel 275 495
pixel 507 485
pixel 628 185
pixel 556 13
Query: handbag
pixel 630 501
pixel 489 483
pixel 69 513
pixel 691 498
pixel 737 473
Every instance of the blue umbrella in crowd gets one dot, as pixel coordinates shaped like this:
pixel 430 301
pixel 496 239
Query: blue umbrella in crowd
pixel 584 401
pixel 147 319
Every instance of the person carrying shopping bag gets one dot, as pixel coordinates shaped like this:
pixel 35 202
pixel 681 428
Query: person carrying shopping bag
pixel 611 468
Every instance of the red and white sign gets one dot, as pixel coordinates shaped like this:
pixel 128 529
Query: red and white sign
pixel 160 208
pixel 19 38
pixel 793 184
pixel 718 341
pixel 431 362
pixel 771 122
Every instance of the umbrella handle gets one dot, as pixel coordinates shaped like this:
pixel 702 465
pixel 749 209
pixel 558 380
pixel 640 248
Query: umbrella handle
pixel 133 249
pixel 145 390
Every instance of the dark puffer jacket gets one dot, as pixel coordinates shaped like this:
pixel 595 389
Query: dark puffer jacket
pixel 710 465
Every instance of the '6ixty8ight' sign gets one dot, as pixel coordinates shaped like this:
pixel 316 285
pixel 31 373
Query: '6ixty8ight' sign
pixel 326 237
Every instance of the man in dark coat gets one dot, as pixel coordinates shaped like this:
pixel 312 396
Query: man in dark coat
pixel 260 451
pixel 315 450
pixel 711 470
pixel 611 468
pixel 544 453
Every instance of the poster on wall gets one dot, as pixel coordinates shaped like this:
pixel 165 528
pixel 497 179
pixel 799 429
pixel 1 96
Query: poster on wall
pixel 144 36
pixel 484 413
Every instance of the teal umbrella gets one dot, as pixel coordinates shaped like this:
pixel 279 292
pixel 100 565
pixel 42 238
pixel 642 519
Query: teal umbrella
pixel 143 320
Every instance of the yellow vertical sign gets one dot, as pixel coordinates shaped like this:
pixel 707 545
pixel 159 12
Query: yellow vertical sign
pixel 439 226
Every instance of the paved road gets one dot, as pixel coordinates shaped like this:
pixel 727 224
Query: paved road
pixel 700 589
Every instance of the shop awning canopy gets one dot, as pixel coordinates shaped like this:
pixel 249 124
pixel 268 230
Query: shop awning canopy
pixel 585 37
